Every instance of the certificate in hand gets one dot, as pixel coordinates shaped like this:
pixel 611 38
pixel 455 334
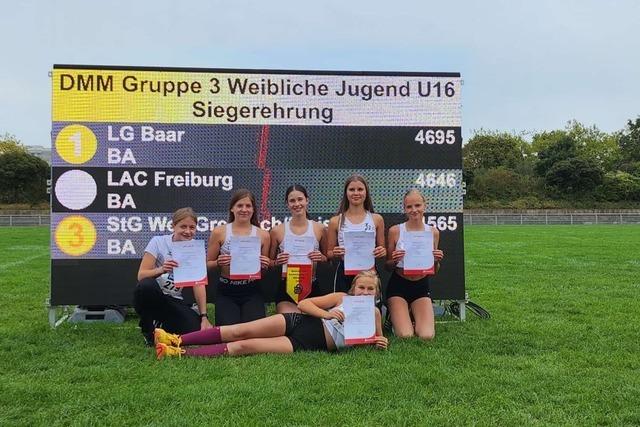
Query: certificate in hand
pixel 359 319
pixel 192 263
pixel 358 251
pixel 245 257
pixel 298 248
pixel 418 258
pixel 299 278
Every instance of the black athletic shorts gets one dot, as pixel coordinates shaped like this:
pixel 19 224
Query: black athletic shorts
pixel 282 294
pixel 305 332
pixel 407 289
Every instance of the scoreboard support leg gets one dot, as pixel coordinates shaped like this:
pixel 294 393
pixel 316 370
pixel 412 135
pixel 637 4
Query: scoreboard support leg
pixel 54 321
pixel 462 307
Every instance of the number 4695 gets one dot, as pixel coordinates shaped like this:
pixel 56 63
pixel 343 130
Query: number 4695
pixel 432 136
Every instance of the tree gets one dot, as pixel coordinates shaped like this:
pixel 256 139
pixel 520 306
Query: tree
pixel 574 175
pixel 486 150
pixel 629 142
pixel 618 186
pixel 562 147
pixel 501 184
pixel 594 144
pixel 542 141
pixel 9 143
pixel 23 178
pixel 590 143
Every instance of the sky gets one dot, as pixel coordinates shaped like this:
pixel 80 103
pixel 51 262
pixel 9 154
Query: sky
pixel 527 66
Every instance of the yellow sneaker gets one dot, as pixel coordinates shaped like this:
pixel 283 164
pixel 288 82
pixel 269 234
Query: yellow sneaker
pixel 163 350
pixel 164 337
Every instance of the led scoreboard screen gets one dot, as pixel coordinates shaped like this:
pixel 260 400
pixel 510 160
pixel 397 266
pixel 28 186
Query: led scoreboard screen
pixel 133 144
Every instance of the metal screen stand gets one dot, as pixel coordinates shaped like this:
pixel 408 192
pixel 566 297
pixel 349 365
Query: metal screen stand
pixel 53 310
pixel 439 308
pixel 462 306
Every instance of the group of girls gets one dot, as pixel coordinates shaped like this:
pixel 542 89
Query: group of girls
pixel 315 323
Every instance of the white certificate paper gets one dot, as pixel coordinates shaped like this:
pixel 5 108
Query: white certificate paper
pixel 359 319
pixel 245 257
pixel 298 248
pixel 192 263
pixel 418 258
pixel 358 251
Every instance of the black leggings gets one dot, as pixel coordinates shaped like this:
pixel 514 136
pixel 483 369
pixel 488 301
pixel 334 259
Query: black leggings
pixel 238 302
pixel 151 304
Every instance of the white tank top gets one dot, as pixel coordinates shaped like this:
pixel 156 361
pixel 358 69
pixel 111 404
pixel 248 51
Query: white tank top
pixel 336 330
pixel 366 225
pixel 288 232
pixel 225 249
pixel 401 237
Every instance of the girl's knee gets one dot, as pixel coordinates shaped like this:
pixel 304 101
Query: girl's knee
pixel 427 335
pixel 240 348
pixel 403 333
pixel 146 287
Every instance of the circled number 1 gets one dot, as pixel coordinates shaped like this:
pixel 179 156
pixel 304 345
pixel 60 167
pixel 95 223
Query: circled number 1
pixel 76 138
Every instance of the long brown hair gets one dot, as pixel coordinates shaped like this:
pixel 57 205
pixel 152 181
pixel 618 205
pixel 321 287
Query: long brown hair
pixel 241 194
pixel 300 188
pixel 344 203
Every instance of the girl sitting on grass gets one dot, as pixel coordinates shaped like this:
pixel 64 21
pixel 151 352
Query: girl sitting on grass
pixel 318 327
pixel 156 299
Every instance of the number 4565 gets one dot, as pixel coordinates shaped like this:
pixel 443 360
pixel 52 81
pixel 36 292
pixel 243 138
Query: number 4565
pixel 431 136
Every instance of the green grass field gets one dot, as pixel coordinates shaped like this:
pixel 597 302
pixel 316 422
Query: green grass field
pixel 562 348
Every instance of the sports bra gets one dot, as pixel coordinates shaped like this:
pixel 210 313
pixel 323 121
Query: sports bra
pixel 401 237
pixel 346 225
pixel 225 248
pixel 288 232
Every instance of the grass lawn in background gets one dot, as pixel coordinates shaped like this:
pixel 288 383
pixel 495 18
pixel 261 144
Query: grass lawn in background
pixel 562 347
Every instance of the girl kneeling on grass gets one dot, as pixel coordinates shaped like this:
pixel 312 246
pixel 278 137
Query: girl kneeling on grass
pixel 410 296
pixel 300 225
pixel 318 327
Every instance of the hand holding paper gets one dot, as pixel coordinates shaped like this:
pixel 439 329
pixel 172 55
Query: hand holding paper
pixel 358 256
pixel 298 248
pixel 359 319
pixel 191 259
pixel 245 257
pixel 418 257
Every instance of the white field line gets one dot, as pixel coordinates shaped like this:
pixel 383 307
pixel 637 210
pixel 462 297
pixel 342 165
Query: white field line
pixel 7 265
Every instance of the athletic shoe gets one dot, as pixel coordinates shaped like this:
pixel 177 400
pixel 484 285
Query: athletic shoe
pixel 164 337
pixel 163 350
